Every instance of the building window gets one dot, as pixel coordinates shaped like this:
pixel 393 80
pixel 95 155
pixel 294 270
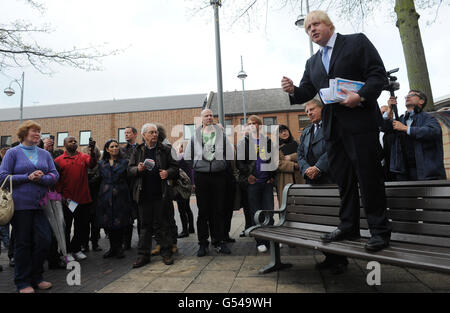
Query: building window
pixel 188 131
pixel 228 127
pixel 242 121
pixel 61 137
pixel 121 135
pixel 84 137
pixel 269 121
pixel 303 121
pixel 46 135
pixel 6 141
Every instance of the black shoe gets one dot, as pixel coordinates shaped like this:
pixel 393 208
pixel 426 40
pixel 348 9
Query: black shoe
pixel 120 254
pixel 224 249
pixel 183 235
pixel 376 243
pixel 109 254
pixel 168 260
pixel 126 246
pixel 96 248
pixel 191 231
pixel 202 251
pixel 11 262
pixel 141 261
pixel 242 234
pixel 230 240
pixel 85 249
pixel 338 235
pixel 338 268
pixel 1 268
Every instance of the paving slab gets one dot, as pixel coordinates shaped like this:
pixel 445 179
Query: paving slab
pixel 254 285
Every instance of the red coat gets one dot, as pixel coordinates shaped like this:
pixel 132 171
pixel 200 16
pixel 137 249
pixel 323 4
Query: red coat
pixel 73 176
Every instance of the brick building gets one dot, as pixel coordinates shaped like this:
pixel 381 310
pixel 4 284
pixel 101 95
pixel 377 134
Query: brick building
pixel 103 120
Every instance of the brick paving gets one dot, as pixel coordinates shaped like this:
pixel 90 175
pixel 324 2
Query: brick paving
pixel 235 273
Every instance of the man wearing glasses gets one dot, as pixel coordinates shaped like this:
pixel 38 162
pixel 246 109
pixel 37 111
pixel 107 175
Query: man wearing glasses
pixel 417 151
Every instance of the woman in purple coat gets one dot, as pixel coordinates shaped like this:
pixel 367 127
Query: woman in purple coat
pixel 33 172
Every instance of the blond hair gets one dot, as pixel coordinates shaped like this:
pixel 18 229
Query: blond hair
pixel 318 15
pixel 23 129
pixel 255 118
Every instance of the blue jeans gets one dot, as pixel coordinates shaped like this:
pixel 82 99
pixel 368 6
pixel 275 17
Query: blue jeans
pixel 4 235
pixel 260 197
pixel 32 242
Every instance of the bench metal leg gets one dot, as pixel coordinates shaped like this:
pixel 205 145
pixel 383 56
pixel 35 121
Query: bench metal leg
pixel 275 260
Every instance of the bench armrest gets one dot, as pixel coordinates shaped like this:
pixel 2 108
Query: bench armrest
pixel 281 211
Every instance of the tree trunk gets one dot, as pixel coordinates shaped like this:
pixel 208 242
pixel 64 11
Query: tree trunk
pixel 416 64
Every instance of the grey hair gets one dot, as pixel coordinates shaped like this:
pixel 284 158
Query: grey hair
pixel 147 125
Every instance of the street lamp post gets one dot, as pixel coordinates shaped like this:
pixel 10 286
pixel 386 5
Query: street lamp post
pixel 242 76
pixel 300 22
pixel 216 4
pixel 9 92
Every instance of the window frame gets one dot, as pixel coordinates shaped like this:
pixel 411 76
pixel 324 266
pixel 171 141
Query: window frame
pixel 79 141
pixel 118 135
pixel 57 138
pixel 191 133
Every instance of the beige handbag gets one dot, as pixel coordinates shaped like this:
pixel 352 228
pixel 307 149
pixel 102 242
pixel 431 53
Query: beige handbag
pixel 6 202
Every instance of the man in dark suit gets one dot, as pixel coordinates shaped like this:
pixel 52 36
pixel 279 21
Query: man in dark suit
pixel 417 150
pixel 311 152
pixel 350 127
pixel 313 163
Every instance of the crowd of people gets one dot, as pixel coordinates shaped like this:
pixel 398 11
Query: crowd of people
pixel 353 145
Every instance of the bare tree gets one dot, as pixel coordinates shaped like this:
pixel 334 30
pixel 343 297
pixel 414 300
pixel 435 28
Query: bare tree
pixel 19 49
pixel 358 11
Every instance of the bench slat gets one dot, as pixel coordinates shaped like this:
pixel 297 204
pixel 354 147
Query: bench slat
pixel 397 226
pixel 427 192
pixel 415 203
pixel 397 214
pixel 410 238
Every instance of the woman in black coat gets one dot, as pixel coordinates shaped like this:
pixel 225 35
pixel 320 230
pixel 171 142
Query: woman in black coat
pixel 114 205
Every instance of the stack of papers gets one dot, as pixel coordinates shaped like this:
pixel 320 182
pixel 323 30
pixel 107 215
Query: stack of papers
pixel 335 94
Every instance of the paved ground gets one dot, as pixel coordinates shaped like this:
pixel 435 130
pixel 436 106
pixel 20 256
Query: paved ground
pixel 235 273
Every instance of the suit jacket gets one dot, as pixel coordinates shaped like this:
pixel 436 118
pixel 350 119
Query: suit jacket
pixel 354 57
pixel 318 149
pixel 428 148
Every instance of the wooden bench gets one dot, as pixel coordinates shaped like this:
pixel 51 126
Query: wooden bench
pixel 419 213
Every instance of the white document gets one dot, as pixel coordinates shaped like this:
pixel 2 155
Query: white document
pixel 72 205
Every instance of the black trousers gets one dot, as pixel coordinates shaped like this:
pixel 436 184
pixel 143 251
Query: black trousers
pixel 80 219
pixel 151 211
pixel 355 159
pixel 115 239
pixel 170 212
pixel 93 227
pixel 210 193
pixel 186 216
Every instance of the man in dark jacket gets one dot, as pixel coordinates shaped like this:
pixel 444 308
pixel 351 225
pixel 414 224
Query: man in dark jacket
pixel 207 153
pixel 127 151
pixel 253 155
pixel 417 151
pixel 151 165
pixel 312 154
pixel 350 127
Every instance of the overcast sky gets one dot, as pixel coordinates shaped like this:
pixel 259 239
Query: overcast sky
pixel 167 51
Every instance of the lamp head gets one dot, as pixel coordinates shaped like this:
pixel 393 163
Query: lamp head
pixel 9 91
pixel 242 75
pixel 300 22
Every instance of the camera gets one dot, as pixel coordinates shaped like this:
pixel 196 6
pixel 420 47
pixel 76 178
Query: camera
pixel 393 84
